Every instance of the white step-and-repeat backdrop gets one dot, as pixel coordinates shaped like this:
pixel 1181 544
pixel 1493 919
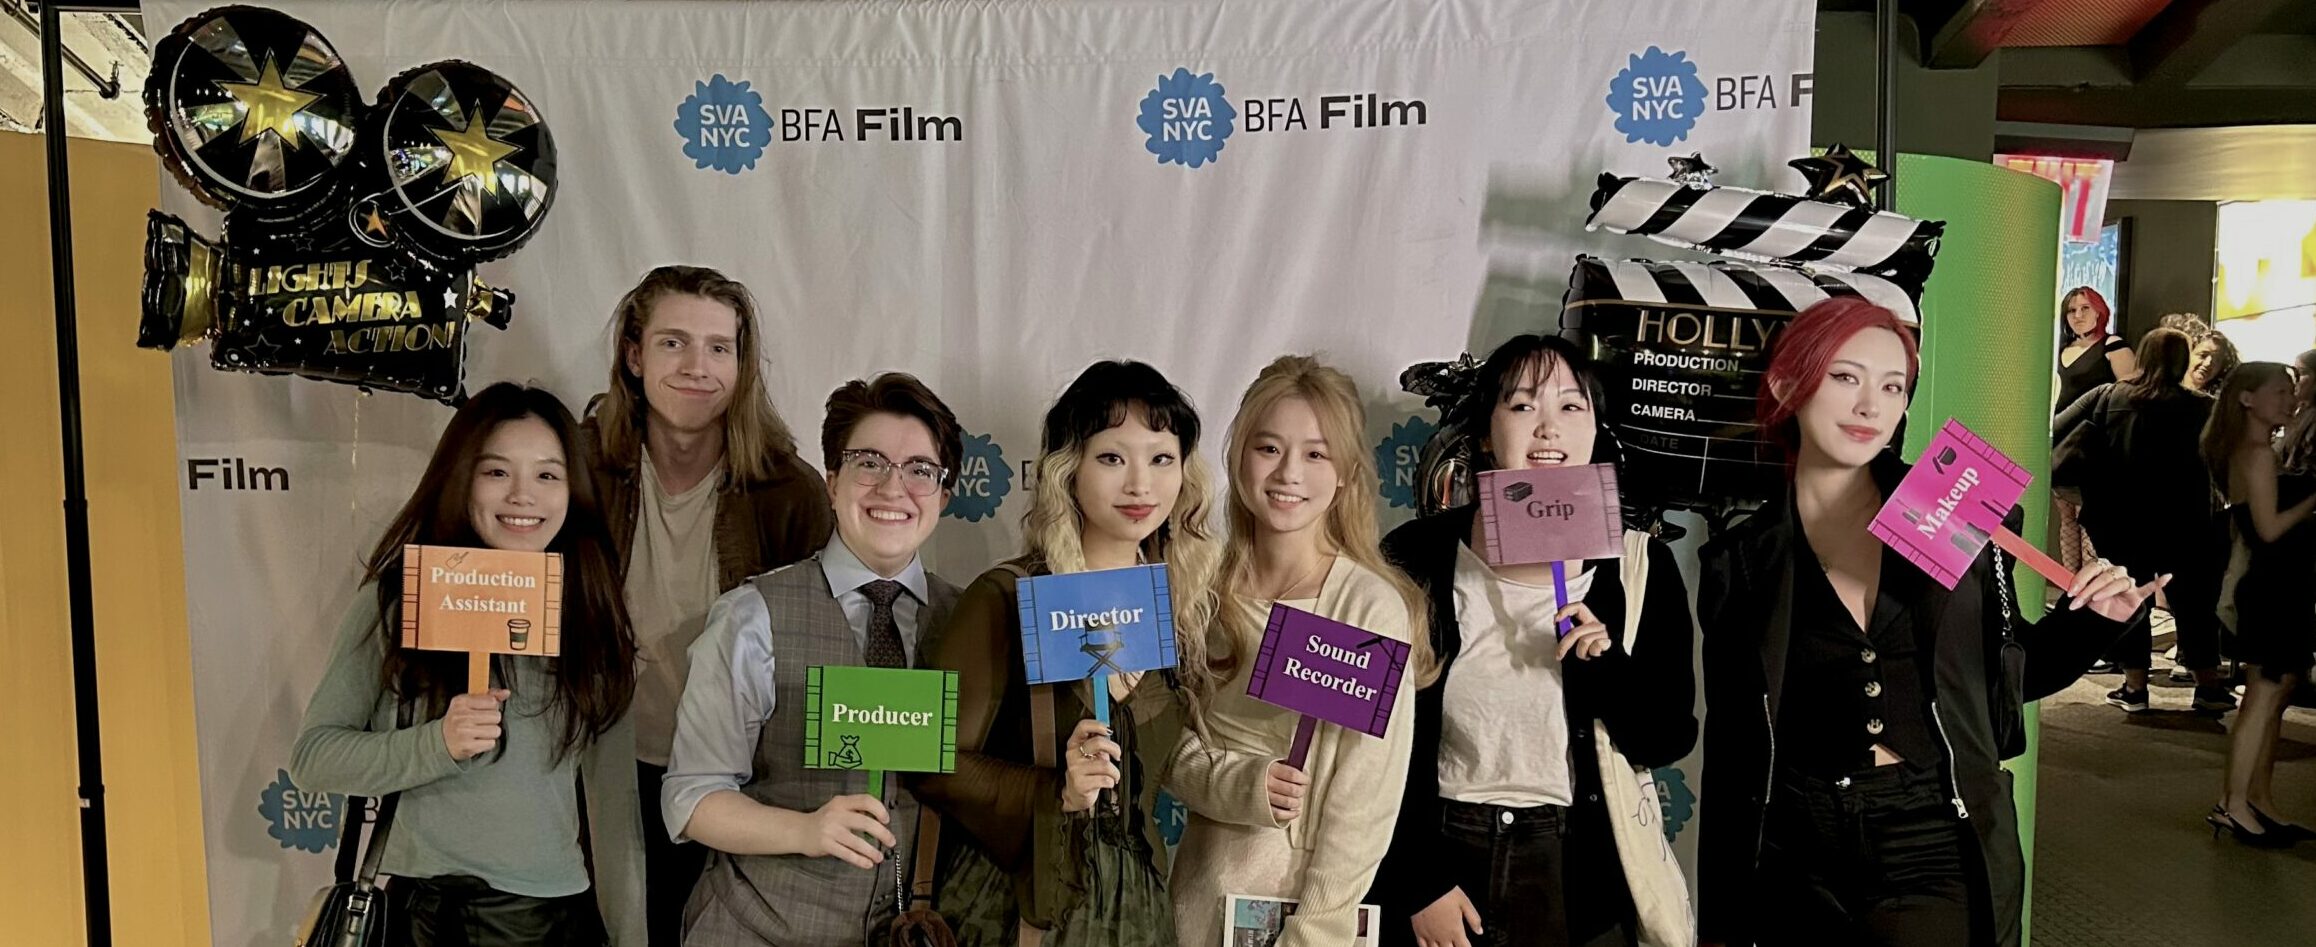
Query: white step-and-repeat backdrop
pixel 989 195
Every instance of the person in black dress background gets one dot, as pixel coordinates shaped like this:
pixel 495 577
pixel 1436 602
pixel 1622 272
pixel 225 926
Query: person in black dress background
pixel 2089 356
pixel 2273 602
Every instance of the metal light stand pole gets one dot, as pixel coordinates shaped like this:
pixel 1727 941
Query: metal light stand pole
pixel 1885 108
pixel 96 893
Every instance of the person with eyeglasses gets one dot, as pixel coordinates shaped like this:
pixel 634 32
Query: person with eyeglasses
pixel 702 488
pixel 814 857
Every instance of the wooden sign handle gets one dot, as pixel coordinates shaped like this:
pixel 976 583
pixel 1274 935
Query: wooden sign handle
pixel 478 672
pixel 1560 596
pixel 2050 569
pixel 1300 752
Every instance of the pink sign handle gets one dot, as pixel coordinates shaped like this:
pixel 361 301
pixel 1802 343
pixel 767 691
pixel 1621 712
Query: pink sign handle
pixel 2049 568
pixel 1560 595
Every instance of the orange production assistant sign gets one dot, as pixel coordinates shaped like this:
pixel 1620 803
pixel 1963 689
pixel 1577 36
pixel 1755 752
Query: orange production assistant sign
pixel 482 602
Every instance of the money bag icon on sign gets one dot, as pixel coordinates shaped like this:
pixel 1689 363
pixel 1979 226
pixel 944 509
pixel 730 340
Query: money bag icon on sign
pixel 848 755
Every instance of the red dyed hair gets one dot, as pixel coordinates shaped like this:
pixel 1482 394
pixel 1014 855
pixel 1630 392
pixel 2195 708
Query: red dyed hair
pixel 1806 348
pixel 2098 307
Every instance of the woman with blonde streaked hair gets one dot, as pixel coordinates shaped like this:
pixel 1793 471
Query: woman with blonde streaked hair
pixel 1302 534
pixel 1042 854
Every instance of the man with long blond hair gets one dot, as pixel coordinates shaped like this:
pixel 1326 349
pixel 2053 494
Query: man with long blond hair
pixel 702 489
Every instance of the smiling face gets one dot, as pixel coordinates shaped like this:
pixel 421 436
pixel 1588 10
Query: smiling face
pixel 519 493
pixel 2203 364
pixel 1860 401
pixel 885 523
pixel 689 361
pixel 1543 422
pixel 1128 480
pixel 1286 476
pixel 2082 320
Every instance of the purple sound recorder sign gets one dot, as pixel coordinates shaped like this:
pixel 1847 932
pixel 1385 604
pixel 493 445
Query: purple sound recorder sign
pixel 1951 504
pixel 1328 670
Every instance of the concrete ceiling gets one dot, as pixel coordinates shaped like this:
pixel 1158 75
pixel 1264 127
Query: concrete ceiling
pixel 103 91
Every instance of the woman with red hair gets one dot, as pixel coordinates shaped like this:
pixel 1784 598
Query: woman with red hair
pixel 1858 713
pixel 2083 323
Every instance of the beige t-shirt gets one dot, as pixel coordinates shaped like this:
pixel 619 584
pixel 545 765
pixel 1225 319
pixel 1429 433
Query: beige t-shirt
pixel 671 581
pixel 1504 719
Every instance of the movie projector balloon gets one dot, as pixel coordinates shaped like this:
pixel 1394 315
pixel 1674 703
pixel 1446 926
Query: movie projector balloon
pixel 1682 345
pixel 351 230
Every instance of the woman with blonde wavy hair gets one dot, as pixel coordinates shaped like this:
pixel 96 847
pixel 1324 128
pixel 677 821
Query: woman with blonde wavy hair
pixel 1303 535
pixel 1043 856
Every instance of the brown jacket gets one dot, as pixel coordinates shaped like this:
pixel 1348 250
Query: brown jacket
pixel 760 526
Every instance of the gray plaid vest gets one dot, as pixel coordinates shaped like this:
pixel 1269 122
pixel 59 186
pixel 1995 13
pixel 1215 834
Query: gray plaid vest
pixel 792 900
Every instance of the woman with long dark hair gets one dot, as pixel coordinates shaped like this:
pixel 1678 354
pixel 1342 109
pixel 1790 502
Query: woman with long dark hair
pixel 1503 835
pixel 2272 600
pixel 1856 712
pixel 2148 505
pixel 1119 482
pixel 486 847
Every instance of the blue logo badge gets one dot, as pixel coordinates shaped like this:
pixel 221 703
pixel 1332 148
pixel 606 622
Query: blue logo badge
pixel 983 479
pixel 298 819
pixel 1172 819
pixel 724 125
pixel 1676 798
pixel 1397 457
pixel 1187 119
pixel 1657 98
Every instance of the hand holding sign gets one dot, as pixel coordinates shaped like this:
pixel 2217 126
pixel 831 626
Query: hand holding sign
pixel 482 602
pixel 1551 514
pixel 1952 504
pixel 1326 670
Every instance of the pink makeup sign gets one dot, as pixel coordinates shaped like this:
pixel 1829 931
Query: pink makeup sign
pixel 1952 504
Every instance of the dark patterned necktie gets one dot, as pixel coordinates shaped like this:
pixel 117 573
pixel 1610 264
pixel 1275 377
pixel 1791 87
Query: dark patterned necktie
pixel 884 634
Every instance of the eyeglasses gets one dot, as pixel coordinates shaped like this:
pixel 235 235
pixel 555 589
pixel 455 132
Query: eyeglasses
pixel 870 468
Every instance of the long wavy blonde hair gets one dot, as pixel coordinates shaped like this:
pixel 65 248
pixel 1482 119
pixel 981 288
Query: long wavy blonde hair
pixel 1349 529
pixel 1103 397
pixel 756 440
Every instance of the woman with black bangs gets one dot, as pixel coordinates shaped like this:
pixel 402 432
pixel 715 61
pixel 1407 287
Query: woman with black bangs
pixel 1502 835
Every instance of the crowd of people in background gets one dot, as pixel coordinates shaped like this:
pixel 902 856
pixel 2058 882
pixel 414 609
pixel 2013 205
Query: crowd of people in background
pixel 648 786
pixel 2180 458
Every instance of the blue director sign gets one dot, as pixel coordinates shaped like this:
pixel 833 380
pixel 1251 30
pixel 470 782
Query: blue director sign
pixel 1115 621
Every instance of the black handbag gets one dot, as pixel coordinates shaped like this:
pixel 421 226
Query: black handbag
pixel 351 912
pixel 2008 710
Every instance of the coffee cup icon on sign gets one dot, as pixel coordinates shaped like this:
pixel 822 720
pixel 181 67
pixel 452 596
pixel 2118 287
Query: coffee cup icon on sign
pixel 519 633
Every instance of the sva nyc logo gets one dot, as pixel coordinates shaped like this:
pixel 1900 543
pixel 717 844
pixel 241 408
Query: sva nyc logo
pixel 1188 118
pixel 983 479
pixel 1659 96
pixel 726 125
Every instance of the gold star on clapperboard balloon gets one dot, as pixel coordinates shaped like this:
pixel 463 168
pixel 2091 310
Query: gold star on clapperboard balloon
pixel 1839 175
pixel 373 222
pixel 268 106
pixel 473 152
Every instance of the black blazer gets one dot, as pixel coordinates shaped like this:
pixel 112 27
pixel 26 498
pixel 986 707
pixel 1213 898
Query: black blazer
pixel 1647 699
pixel 1745 600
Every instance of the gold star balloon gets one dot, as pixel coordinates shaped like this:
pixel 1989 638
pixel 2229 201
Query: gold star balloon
pixel 474 154
pixel 1838 176
pixel 252 106
pixel 267 106
pixel 469 165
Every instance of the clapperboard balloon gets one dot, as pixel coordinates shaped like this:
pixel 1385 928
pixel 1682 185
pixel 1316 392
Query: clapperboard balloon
pixel 1759 226
pixel 1681 348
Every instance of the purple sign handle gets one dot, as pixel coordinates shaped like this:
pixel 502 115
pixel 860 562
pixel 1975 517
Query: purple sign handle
pixel 1300 752
pixel 1560 595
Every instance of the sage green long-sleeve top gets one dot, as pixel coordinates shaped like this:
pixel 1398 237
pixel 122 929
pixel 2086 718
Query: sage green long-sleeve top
pixel 511 819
